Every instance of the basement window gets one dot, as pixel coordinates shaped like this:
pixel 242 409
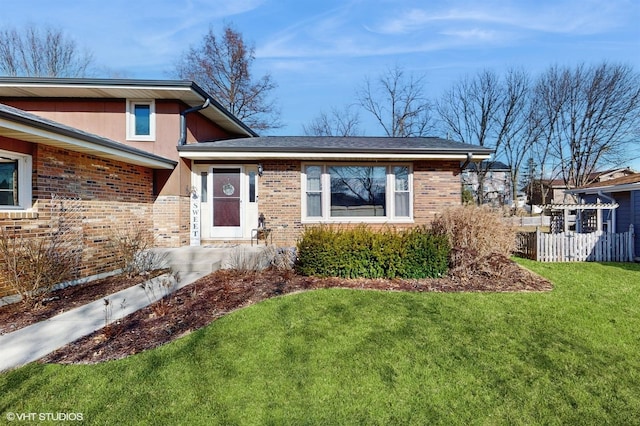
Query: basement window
pixel 141 120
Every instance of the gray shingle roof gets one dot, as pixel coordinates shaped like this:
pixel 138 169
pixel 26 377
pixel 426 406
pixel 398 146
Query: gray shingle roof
pixel 489 165
pixel 328 144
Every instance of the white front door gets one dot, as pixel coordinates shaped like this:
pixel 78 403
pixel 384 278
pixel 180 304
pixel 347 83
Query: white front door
pixel 226 200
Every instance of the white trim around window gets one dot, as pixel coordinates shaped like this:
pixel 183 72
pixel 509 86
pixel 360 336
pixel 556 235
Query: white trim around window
pixel 356 193
pixel 141 120
pixel 15 179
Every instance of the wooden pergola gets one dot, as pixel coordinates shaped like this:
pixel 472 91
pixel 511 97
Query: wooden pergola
pixel 588 216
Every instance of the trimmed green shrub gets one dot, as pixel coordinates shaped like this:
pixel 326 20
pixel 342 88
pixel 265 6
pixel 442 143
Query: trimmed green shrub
pixel 363 253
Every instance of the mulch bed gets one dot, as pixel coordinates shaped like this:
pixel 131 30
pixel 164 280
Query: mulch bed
pixel 221 292
pixel 16 315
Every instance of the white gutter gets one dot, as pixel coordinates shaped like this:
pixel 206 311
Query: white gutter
pixel 218 155
pixel 37 135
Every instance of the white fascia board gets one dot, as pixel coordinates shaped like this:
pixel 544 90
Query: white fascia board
pixel 218 155
pixel 74 144
pixel 607 189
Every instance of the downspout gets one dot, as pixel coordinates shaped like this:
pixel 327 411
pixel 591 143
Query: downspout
pixel 468 160
pixel 193 239
pixel 462 167
pixel 183 120
pixel 613 211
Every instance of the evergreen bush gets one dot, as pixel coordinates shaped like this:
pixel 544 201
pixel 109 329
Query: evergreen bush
pixel 360 252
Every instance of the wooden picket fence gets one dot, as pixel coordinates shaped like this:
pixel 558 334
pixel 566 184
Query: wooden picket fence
pixel 572 247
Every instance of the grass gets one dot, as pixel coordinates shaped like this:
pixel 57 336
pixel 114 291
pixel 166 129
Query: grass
pixel 569 356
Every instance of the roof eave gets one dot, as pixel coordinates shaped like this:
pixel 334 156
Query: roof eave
pixel 326 155
pixel 607 189
pixel 228 121
pixel 38 132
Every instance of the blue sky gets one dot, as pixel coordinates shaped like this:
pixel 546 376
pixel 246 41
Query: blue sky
pixel 319 52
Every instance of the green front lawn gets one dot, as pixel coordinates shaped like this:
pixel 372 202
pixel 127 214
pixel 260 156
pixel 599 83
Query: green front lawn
pixel 569 356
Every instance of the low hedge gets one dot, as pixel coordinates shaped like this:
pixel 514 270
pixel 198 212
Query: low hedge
pixel 364 253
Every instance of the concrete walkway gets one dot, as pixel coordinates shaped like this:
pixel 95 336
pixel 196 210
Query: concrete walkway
pixel 37 340
pixel 190 263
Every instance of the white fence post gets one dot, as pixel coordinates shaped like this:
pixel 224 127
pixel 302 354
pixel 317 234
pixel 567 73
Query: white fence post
pixel 631 244
pixel 596 247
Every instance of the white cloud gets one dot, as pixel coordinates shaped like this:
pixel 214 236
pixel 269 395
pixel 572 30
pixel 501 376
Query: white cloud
pixel 571 16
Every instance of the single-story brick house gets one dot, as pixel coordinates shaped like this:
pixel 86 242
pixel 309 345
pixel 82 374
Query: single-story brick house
pixel 167 156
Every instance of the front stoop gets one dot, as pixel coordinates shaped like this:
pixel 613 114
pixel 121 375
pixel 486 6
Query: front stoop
pixel 207 259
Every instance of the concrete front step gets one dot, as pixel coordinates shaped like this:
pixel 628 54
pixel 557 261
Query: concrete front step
pixel 206 259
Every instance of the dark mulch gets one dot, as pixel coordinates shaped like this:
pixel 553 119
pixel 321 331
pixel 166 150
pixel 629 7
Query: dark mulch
pixel 18 315
pixel 221 292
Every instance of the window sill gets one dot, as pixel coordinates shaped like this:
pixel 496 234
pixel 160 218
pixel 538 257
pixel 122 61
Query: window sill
pixel 357 220
pixel 18 214
pixel 141 139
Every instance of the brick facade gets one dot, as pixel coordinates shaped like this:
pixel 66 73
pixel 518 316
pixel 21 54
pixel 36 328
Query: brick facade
pixel 436 186
pixel 171 220
pixel 280 195
pixel 113 194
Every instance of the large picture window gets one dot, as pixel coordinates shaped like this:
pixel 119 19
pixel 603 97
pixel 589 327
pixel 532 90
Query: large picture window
pixel 15 181
pixel 358 192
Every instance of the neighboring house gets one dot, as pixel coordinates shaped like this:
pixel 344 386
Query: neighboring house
pixel 623 195
pixel 557 192
pixel 165 156
pixel 496 186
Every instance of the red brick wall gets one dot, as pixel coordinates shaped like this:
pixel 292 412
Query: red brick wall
pixel 171 221
pixel 280 195
pixel 436 186
pixel 115 196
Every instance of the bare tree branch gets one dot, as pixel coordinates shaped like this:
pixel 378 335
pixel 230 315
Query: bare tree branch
pixel 41 52
pixel 398 104
pixel 477 111
pixel 222 66
pixel 336 123
pixel 589 116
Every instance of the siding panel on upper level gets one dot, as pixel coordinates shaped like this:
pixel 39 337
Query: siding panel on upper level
pixel 107 118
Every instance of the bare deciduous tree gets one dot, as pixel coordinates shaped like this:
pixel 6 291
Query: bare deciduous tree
pixel 336 123
pixel 41 52
pixel 398 104
pixel 222 66
pixel 588 115
pixel 519 129
pixel 478 111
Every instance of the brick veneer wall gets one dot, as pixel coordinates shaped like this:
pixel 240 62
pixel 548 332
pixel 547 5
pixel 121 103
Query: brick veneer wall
pixel 436 186
pixel 115 195
pixel 171 220
pixel 280 195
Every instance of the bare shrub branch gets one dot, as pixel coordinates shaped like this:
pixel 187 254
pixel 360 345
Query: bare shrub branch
pixel 131 247
pixel 34 263
pixel 478 229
